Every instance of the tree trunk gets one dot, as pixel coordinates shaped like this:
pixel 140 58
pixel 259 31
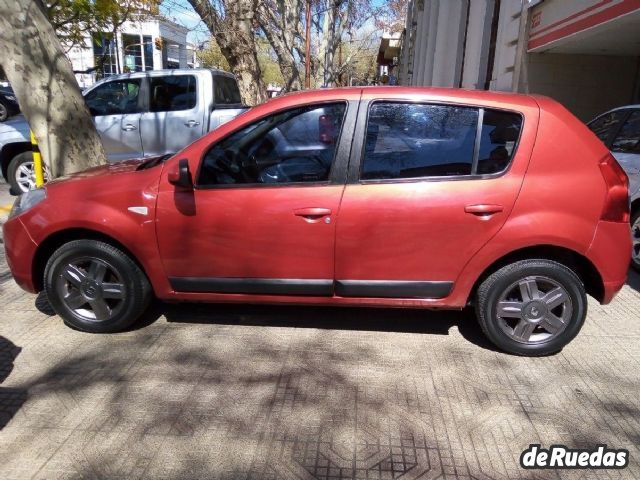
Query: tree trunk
pixel 234 34
pixel 280 22
pixel 43 81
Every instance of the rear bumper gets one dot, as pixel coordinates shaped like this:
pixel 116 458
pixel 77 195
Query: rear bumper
pixel 610 253
pixel 20 250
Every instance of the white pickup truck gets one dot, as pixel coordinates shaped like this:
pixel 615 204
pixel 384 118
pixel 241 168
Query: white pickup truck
pixel 137 115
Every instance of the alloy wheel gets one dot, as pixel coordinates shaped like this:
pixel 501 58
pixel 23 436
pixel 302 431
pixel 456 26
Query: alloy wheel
pixel 26 176
pixel 534 309
pixel 91 288
pixel 4 113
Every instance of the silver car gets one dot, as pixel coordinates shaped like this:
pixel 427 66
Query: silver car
pixel 619 129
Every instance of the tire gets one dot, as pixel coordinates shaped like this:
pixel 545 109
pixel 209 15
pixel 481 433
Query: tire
pixel 4 112
pixel 635 238
pixel 542 303
pixel 95 287
pixel 20 173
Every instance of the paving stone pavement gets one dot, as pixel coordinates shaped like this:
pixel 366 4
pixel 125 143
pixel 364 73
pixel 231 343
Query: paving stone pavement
pixel 249 392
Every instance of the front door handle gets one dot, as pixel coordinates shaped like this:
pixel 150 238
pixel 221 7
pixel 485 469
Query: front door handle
pixel 313 214
pixel 483 210
pixel 192 123
pixel 129 127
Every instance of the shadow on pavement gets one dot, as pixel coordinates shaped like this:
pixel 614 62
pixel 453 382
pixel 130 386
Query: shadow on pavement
pixel 428 322
pixel 11 399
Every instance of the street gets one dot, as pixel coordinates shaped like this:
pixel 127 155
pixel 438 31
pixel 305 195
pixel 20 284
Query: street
pixel 211 391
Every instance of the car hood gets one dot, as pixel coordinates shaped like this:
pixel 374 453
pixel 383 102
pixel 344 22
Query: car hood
pixel 15 123
pixel 104 170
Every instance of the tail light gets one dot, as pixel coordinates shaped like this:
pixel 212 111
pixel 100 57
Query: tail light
pixel 616 205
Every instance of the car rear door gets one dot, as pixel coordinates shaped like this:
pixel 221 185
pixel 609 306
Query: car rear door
pixel 431 183
pixel 116 107
pixel 261 219
pixel 176 113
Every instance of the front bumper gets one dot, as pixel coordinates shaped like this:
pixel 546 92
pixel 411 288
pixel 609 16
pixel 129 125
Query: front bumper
pixel 20 250
pixel 610 253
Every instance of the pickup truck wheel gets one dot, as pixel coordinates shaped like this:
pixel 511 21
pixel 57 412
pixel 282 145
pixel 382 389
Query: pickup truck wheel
pixel 21 174
pixel 635 239
pixel 95 287
pixel 4 112
pixel 532 307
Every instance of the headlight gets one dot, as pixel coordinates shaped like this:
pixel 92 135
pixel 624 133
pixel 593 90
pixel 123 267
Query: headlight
pixel 27 200
pixel 11 97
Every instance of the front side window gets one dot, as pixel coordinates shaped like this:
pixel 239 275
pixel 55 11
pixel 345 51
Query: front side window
pixel 419 140
pixel 294 146
pixel 173 93
pixel 628 138
pixel 114 98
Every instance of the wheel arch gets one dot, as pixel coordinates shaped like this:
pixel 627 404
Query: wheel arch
pixel 580 264
pixel 56 240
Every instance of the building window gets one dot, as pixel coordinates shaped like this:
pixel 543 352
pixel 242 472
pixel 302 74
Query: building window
pixel 104 54
pixel 132 53
pixel 147 43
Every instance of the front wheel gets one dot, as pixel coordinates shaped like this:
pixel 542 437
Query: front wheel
pixel 95 287
pixel 532 307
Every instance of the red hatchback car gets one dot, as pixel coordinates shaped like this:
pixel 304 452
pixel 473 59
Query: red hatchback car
pixel 395 197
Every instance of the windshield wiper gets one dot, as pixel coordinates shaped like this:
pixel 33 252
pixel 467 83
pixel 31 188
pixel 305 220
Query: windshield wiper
pixel 152 162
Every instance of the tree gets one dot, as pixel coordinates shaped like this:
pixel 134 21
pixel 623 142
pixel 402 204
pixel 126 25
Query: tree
pixel 232 24
pixel 74 19
pixel 280 20
pixel 43 81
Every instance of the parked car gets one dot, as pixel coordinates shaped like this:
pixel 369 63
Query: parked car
pixel 137 115
pixel 387 196
pixel 619 129
pixel 8 103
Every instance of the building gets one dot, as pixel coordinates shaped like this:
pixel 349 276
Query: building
pixel 146 43
pixel 584 53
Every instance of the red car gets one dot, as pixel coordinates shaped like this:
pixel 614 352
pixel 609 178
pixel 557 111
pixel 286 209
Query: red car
pixel 394 197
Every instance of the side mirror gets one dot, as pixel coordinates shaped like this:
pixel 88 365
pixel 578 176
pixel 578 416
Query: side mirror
pixel 180 176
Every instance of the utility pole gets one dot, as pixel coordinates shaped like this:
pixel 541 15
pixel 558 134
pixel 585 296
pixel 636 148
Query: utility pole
pixel 307 59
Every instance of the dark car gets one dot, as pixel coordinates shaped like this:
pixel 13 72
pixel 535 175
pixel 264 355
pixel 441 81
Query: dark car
pixel 8 103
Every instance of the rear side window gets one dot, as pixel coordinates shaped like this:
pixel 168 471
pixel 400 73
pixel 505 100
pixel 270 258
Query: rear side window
pixel 607 124
pixel 420 140
pixel 225 90
pixel 173 93
pixel 628 138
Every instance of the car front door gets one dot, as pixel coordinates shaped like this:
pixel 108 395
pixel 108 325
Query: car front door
pixel 431 186
pixel 261 219
pixel 116 108
pixel 176 114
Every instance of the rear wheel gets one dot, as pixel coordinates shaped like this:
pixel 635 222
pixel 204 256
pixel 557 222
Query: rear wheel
pixel 635 239
pixel 532 307
pixel 95 287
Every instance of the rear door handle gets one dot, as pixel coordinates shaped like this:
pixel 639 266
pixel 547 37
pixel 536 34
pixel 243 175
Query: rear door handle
pixel 483 210
pixel 192 123
pixel 129 127
pixel 313 214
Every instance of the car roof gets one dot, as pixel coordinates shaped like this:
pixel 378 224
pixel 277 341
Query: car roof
pixel 158 73
pixel 435 94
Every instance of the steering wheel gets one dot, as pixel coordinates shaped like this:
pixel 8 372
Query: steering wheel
pixel 237 165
